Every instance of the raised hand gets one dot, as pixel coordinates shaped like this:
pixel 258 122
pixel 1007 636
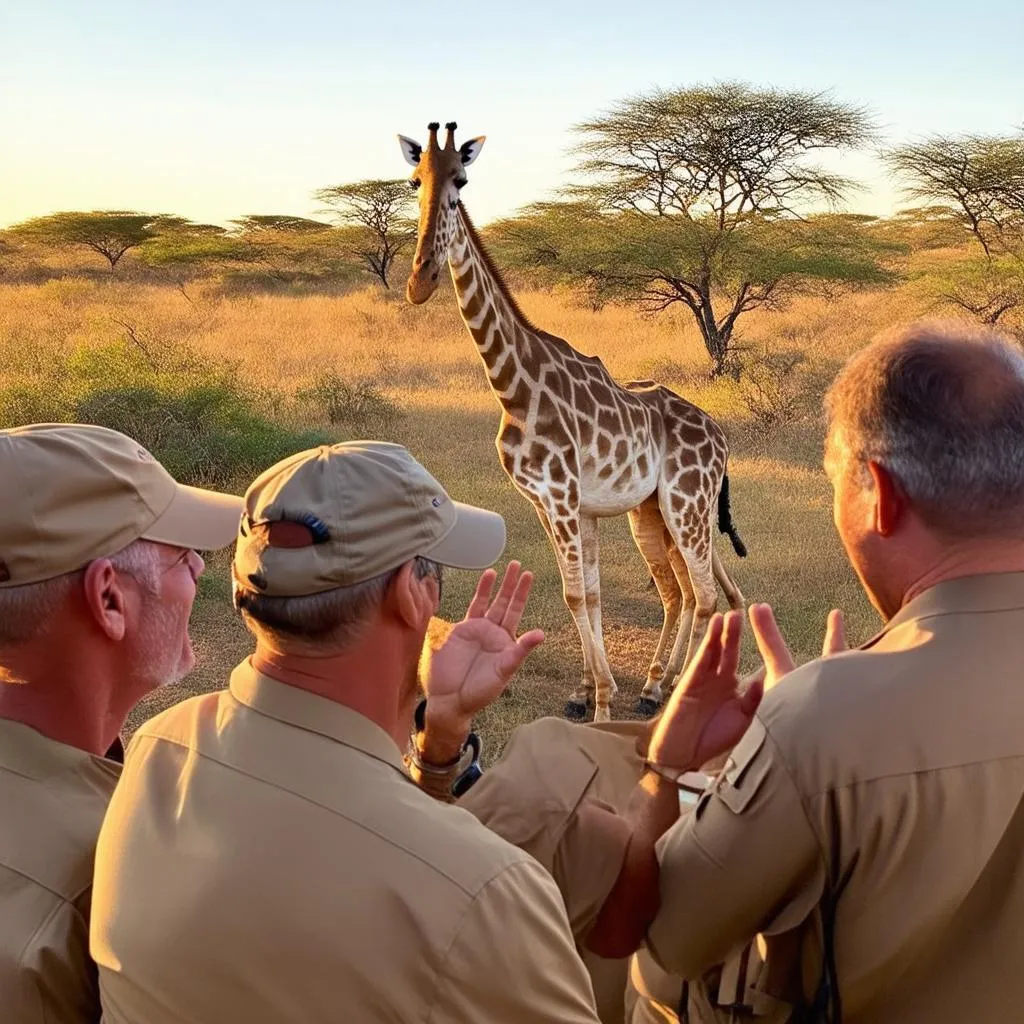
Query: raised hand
pixel 477 660
pixel 778 661
pixel 708 710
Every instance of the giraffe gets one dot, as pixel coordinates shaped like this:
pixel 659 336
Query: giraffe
pixel 580 446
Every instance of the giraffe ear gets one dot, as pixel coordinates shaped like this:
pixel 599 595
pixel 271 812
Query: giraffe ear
pixel 411 150
pixel 470 149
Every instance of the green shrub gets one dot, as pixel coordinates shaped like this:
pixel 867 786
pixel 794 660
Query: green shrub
pixel 359 404
pixel 199 419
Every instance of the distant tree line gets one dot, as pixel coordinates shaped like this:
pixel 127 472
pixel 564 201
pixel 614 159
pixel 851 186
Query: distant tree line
pixel 371 229
pixel 712 198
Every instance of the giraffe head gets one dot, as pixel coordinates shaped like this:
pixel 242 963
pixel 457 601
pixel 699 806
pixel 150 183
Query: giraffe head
pixel 437 176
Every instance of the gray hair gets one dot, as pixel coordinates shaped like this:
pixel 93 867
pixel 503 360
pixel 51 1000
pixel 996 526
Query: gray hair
pixel 26 610
pixel 334 618
pixel 941 407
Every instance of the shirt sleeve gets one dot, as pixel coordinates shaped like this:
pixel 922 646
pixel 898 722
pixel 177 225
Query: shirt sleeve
pixel 513 960
pixel 58 972
pixel 746 861
pixel 537 797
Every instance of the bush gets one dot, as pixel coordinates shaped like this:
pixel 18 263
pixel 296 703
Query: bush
pixel 781 388
pixel 360 404
pixel 197 418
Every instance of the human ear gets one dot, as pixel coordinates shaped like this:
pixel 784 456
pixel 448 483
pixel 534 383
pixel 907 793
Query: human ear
pixel 888 502
pixel 414 599
pixel 105 598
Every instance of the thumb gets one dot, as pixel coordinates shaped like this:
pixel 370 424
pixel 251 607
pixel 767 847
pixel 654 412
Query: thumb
pixel 514 656
pixel 835 634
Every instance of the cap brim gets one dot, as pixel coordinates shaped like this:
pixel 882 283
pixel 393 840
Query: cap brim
pixel 476 541
pixel 203 520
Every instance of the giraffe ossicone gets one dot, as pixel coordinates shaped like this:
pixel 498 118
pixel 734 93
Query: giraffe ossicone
pixel 579 445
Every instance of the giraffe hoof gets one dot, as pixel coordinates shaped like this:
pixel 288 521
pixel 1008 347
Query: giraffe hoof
pixel 575 710
pixel 646 707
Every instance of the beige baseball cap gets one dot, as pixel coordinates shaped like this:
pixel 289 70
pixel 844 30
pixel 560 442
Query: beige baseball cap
pixel 73 493
pixel 339 515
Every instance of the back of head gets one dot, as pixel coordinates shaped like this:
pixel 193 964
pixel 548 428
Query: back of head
pixel 941 408
pixel 325 531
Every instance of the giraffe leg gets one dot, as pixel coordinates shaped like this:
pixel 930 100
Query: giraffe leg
pixel 565 533
pixel 592 586
pixel 692 537
pixel 732 592
pixel 583 696
pixel 698 562
pixel 648 529
pixel 682 575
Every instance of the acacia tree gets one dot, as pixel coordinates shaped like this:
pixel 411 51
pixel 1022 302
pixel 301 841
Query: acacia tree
pixel 696 196
pixel 977 182
pixel 111 233
pixel 379 211
pixel 283 222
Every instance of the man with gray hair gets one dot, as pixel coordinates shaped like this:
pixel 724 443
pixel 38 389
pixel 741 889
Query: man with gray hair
pixel 866 837
pixel 98 570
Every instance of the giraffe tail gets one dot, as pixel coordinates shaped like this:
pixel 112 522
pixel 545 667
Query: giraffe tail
pixel 725 524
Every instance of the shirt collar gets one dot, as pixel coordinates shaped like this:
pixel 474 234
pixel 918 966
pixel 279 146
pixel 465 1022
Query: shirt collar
pixel 311 712
pixel 987 592
pixel 27 752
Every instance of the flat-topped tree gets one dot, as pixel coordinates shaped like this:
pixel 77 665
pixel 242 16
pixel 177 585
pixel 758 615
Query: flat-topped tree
pixel 111 233
pixel 578 445
pixel 977 181
pixel 377 211
pixel 698 196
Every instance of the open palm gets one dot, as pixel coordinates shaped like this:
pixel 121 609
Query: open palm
pixel 482 652
pixel 708 711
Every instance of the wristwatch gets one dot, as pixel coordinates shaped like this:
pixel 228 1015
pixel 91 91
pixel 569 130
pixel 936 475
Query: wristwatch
pixel 464 779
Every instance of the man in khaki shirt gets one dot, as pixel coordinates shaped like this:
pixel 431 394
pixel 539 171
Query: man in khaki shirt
pixel 97 578
pixel 265 857
pixel 868 830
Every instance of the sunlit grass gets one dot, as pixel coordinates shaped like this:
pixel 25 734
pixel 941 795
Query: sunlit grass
pixel 424 361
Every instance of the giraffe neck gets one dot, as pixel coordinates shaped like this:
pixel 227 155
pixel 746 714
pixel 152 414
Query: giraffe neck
pixel 506 341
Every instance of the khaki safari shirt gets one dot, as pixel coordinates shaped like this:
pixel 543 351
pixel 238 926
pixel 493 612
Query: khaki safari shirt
pixel 540 795
pixel 881 788
pixel 266 859
pixel 52 801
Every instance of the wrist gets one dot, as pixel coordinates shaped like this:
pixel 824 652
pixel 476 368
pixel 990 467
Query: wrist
pixel 439 736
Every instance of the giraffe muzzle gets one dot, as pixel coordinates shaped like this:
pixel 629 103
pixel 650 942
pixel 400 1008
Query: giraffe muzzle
pixel 421 285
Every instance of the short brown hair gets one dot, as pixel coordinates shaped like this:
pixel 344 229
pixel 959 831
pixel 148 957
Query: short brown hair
pixel 332 618
pixel 941 407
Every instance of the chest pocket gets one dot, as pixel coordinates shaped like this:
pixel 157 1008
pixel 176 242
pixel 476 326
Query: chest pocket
pixel 748 764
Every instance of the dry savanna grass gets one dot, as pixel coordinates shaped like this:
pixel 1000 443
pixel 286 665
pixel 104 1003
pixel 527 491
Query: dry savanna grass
pixel 425 362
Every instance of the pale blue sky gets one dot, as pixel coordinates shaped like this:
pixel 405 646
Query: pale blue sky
pixel 221 108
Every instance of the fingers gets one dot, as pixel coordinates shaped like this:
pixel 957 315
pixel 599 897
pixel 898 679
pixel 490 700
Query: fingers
pixel 835 634
pixel 732 634
pixel 517 606
pixel 704 663
pixel 500 605
pixel 774 652
pixel 482 595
